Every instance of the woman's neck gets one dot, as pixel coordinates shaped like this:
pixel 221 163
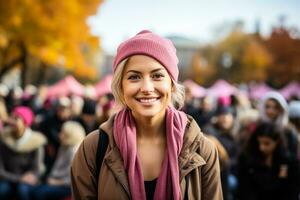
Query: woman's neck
pixel 152 127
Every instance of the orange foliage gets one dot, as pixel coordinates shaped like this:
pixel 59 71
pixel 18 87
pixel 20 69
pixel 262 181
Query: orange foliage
pixel 54 31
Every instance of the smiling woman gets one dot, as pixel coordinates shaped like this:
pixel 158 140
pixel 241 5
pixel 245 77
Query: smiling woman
pixel 147 90
pixel 154 150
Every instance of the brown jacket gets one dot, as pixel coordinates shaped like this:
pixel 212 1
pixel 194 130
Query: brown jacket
pixel 198 159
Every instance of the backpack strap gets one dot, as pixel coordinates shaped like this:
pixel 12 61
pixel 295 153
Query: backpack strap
pixel 187 181
pixel 101 149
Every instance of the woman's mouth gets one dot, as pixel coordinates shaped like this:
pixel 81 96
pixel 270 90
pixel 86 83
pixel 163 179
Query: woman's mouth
pixel 148 101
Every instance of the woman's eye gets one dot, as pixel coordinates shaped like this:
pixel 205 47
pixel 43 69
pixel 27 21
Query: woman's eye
pixel 133 77
pixel 158 76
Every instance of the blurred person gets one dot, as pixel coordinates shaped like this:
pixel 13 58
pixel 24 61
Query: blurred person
pixel 3 114
pixel 188 101
pixel 154 151
pixel 205 113
pixel 103 101
pixel 108 110
pixel 76 105
pixel 224 101
pixel 90 92
pixel 245 117
pixel 266 170
pixel 21 160
pixel 28 96
pixel 224 166
pixel 51 126
pixel 13 98
pixel 294 117
pixel 39 99
pixel 223 128
pixel 88 117
pixel 274 109
pixel 58 182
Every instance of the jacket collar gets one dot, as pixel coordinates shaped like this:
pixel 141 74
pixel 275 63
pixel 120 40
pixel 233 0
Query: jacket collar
pixel 30 141
pixel 188 160
pixel 189 157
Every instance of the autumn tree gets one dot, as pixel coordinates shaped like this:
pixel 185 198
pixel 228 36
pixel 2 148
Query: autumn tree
pixel 237 57
pixel 203 68
pixel 256 60
pixel 243 57
pixel 55 32
pixel 284 44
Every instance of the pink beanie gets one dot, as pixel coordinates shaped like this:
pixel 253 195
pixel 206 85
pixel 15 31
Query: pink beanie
pixel 149 44
pixel 25 113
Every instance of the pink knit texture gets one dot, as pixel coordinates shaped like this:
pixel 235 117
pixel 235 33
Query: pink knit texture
pixel 25 113
pixel 124 132
pixel 149 44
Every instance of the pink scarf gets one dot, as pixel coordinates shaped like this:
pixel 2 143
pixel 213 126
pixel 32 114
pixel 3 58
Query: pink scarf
pixel 168 185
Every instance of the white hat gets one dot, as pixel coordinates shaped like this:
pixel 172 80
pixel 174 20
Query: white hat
pixel 294 109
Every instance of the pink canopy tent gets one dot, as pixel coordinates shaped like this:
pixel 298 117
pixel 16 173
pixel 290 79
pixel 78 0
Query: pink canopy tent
pixel 259 90
pixel 222 88
pixel 104 86
pixel 67 86
pixel 291 89
pixel 196 90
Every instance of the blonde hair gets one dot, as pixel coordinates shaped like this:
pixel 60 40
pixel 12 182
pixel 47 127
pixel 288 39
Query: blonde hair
pixel 178 92
pixel 74 131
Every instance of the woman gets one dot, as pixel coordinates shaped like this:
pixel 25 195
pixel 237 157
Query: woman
pixel 58 182
pixel 274 109
pixel 154 151
pixel 266 169
pixel 21 155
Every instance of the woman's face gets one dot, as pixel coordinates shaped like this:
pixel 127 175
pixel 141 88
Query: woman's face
pixel 18 126
pixel 225 121
pixel 266 145
pixel 273 109
pixel 146 87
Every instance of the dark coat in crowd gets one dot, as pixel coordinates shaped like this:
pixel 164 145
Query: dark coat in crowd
pixel 260 182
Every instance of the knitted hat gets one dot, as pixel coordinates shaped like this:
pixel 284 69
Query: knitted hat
pixel 25 113
pixel 150 44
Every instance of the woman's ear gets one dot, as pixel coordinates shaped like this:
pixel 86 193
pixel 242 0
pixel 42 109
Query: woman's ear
pixel 173 89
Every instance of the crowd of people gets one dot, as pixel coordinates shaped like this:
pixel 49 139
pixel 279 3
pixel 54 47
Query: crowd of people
pixel 257 142
pixel 38 139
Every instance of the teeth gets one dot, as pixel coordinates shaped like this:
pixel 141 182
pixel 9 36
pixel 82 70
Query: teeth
pixel 147 100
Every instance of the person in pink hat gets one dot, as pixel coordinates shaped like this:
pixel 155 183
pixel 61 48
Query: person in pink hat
pixel 154 151
pixel 21 160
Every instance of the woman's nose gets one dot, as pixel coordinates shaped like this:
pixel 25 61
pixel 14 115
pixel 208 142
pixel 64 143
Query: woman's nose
pixel 147 85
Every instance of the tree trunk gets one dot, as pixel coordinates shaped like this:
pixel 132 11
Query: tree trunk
pixel 24 66
pixel 7 67
pixel 41 74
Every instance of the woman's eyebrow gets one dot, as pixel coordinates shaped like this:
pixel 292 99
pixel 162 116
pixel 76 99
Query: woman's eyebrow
pixel 138 72
pixel 156 70
pixel 133 71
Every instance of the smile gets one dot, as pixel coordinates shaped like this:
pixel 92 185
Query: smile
pixel 147 100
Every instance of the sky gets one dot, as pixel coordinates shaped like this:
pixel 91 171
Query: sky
pixel 200 20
